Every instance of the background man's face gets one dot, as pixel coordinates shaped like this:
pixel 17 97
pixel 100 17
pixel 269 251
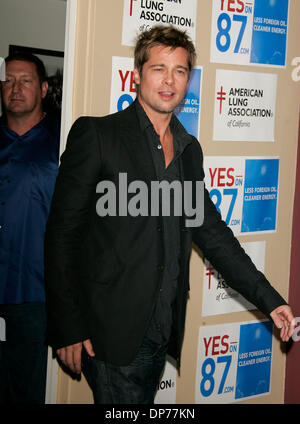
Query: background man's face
pixel 163 82
pixel 21 92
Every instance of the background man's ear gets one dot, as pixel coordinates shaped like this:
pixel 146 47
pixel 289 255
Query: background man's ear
pixel 44 89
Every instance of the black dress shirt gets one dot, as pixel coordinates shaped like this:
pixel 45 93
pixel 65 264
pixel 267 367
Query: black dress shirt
pixel 161 323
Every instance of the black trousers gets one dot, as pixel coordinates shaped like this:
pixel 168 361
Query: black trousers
pixel 23 355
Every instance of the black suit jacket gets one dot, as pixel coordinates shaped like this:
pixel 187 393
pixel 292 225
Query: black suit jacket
pixel 102 274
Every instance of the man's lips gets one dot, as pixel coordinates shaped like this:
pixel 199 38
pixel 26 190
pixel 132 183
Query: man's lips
pixel 166 94
pixel 17 100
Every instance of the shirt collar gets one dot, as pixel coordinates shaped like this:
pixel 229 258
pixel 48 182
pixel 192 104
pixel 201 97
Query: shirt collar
pixel 181 137
pixel 47 123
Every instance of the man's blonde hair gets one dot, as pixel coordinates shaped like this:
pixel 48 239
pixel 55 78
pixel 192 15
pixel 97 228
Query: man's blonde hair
pixel 167 36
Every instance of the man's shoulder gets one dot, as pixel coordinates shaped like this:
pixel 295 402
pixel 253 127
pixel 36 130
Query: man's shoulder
pixel 52 125
pixel 113 120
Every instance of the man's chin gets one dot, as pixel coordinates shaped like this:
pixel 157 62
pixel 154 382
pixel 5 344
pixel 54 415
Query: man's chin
pixel 17 109
pixel 166 109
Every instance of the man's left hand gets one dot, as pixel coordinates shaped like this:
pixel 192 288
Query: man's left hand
pixel 284 320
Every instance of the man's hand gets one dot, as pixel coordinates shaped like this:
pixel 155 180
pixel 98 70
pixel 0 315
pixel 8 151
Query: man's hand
pixel 71 355
pixel 283 319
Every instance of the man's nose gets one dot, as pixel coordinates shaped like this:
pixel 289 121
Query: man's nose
pixel 16 86
pixel 169 77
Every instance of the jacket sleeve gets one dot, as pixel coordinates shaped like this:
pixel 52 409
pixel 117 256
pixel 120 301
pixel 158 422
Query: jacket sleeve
pixel 75 187
pixel 224 252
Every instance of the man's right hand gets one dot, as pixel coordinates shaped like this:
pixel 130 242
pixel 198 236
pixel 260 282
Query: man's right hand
pixel 71 355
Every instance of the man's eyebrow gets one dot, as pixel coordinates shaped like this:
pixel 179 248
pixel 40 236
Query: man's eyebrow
pixel 182 67
pixel 162 64
pixel 25 74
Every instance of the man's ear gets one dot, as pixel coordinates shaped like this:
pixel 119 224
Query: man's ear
pixel 44 89
pixel 137 77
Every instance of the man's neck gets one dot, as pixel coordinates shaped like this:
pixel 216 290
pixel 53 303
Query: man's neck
pixel 23 123
pixel 162 125
pixel 160 121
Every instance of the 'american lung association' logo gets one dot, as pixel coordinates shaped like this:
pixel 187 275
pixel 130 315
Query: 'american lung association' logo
pixel 221 96
pixel 131 6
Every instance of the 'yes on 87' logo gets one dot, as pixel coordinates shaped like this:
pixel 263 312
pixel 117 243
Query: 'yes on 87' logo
pixel 234 361
pixel 231 31
pixel 225 185
pixel 216 372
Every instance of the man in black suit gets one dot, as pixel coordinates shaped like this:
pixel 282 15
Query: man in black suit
pixel 117 282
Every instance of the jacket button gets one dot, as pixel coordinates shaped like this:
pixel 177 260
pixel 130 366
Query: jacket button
pixel 159 229
pixel 160 267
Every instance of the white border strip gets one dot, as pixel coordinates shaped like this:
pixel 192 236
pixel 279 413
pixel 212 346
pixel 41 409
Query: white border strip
pixel 66 122
pixel 68 78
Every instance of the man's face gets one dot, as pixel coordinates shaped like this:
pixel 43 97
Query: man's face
pixel 163 82
pixel 22 93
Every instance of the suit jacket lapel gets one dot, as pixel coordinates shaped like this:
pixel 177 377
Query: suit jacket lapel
pixel 137 145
